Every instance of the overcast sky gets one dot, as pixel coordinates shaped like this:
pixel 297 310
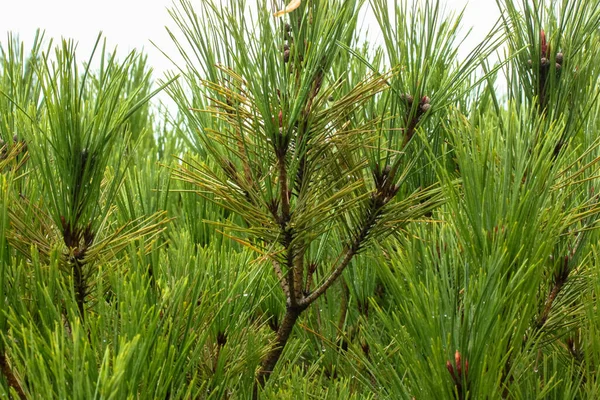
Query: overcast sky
pixel 133 23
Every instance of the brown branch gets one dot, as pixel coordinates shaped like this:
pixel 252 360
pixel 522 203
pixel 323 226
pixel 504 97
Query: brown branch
pixel 559 281
pixel 281 278
pixel 337 271
pixel 299 275
pixel 11 379
pixel 78 240
pixel 284 219
pixel 413 119
pixel 312 267
pixel 80 286
pixel 272 357
pixel 291 298
pixel 294 259
pixel 373 213
pixel 300 175
pixel 284 192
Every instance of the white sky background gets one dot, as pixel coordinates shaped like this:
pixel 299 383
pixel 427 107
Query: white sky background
pixel 132 24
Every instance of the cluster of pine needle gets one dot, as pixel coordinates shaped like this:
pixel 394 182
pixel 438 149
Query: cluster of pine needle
pixel 318 217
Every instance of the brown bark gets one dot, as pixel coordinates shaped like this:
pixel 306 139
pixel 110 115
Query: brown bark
pixel 283 334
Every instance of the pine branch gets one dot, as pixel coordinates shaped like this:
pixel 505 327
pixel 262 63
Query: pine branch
pixel 374 211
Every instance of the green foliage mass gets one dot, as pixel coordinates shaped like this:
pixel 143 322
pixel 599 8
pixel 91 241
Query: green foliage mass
pixel 319 217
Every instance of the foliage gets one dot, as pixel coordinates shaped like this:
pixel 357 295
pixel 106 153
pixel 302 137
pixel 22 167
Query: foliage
pixel 320 217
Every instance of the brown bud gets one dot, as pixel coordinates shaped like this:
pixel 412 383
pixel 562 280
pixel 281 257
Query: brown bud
pixel 408 98
pixel 558 66
pixel 287 34
pixel 543 43
pixel 425 100
pixel 450 368
pixel 425 107
pixel 286 46
pixel 286 56
pixel 280 119
pixel 544 62
pixel 559 58
pixel 221 339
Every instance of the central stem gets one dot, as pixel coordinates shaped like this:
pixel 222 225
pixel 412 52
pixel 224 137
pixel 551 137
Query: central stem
pixel 295 307
pixel 283 334
pixel 80 286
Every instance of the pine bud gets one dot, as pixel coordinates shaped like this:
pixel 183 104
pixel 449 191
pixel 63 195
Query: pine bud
pixel 559 58
pixel 543 43
pixel 407 97
pixel 544 62
pixel 286 56
pixel 457 360
pixel 450 368
pixel 558 66
pixel 425 100
pixel 425 107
